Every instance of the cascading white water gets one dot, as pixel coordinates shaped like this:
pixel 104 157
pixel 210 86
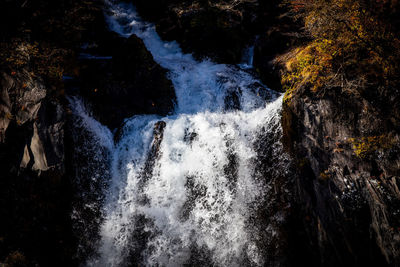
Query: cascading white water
pixel 187 191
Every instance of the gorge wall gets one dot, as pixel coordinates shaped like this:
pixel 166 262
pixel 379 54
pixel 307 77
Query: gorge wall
pixel 50 53
pixel 347 157
pixel 344 203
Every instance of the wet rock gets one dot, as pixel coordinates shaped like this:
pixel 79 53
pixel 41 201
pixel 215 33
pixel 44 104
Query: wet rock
pixel 152 157
pixel 190 136
pixel 154 153
pixel 232 100
pixel 87 164
pixel 211 32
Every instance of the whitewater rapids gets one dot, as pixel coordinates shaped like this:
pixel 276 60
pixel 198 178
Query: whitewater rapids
pixel 186 189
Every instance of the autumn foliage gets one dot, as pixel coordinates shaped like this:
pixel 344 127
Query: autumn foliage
pixel 353 45
pixel 43 37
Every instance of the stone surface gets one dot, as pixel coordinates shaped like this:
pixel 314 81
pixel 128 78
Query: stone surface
pixel 219 30
pixel 31 124
pixel 34 189
pixel 130 83
pixel 349 201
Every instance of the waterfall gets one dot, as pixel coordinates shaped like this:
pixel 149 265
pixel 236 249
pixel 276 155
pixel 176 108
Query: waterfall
pixel 189 188
pixel 247 57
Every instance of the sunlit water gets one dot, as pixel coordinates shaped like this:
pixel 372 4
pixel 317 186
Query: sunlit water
pixel 187 193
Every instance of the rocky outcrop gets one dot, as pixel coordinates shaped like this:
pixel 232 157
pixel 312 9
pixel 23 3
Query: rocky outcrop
pixel 282 34
pixel 276 41
pixel 31 124
pixel 129 82
pixel 219 30
pixel 35 172
pixel 45 158
pixel 33 186
pixel 347 153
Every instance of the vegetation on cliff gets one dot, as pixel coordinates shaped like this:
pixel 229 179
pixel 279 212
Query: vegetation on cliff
pixel 346 49
pixel 43 37
pixel 341 123
pixel 38 43
pixel 354 45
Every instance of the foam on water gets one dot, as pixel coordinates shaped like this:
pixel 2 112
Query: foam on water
pixel 195 203
pixel 199 86
pixel 101 133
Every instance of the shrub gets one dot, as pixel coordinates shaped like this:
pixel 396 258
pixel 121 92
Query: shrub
pixel 353 44
pixel 15 259
pixel 43 59
pixel 366 146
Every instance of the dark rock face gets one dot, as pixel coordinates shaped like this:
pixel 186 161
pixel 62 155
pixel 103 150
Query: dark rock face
pixel 31 125
pixel 219 30
pixel 129 83
pixel 88 167
pixel 348 162
pixel 282 35
pixel 46 159
pixel 140 235
pixel 210 32
pixel 275 41
pixel 34 190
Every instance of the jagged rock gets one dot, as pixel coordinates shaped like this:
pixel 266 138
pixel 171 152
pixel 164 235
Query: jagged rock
pixel 31 125
pixel 154 153
pixel 34 189
pixel 348 161
pixel 20 100
pixel 232 100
